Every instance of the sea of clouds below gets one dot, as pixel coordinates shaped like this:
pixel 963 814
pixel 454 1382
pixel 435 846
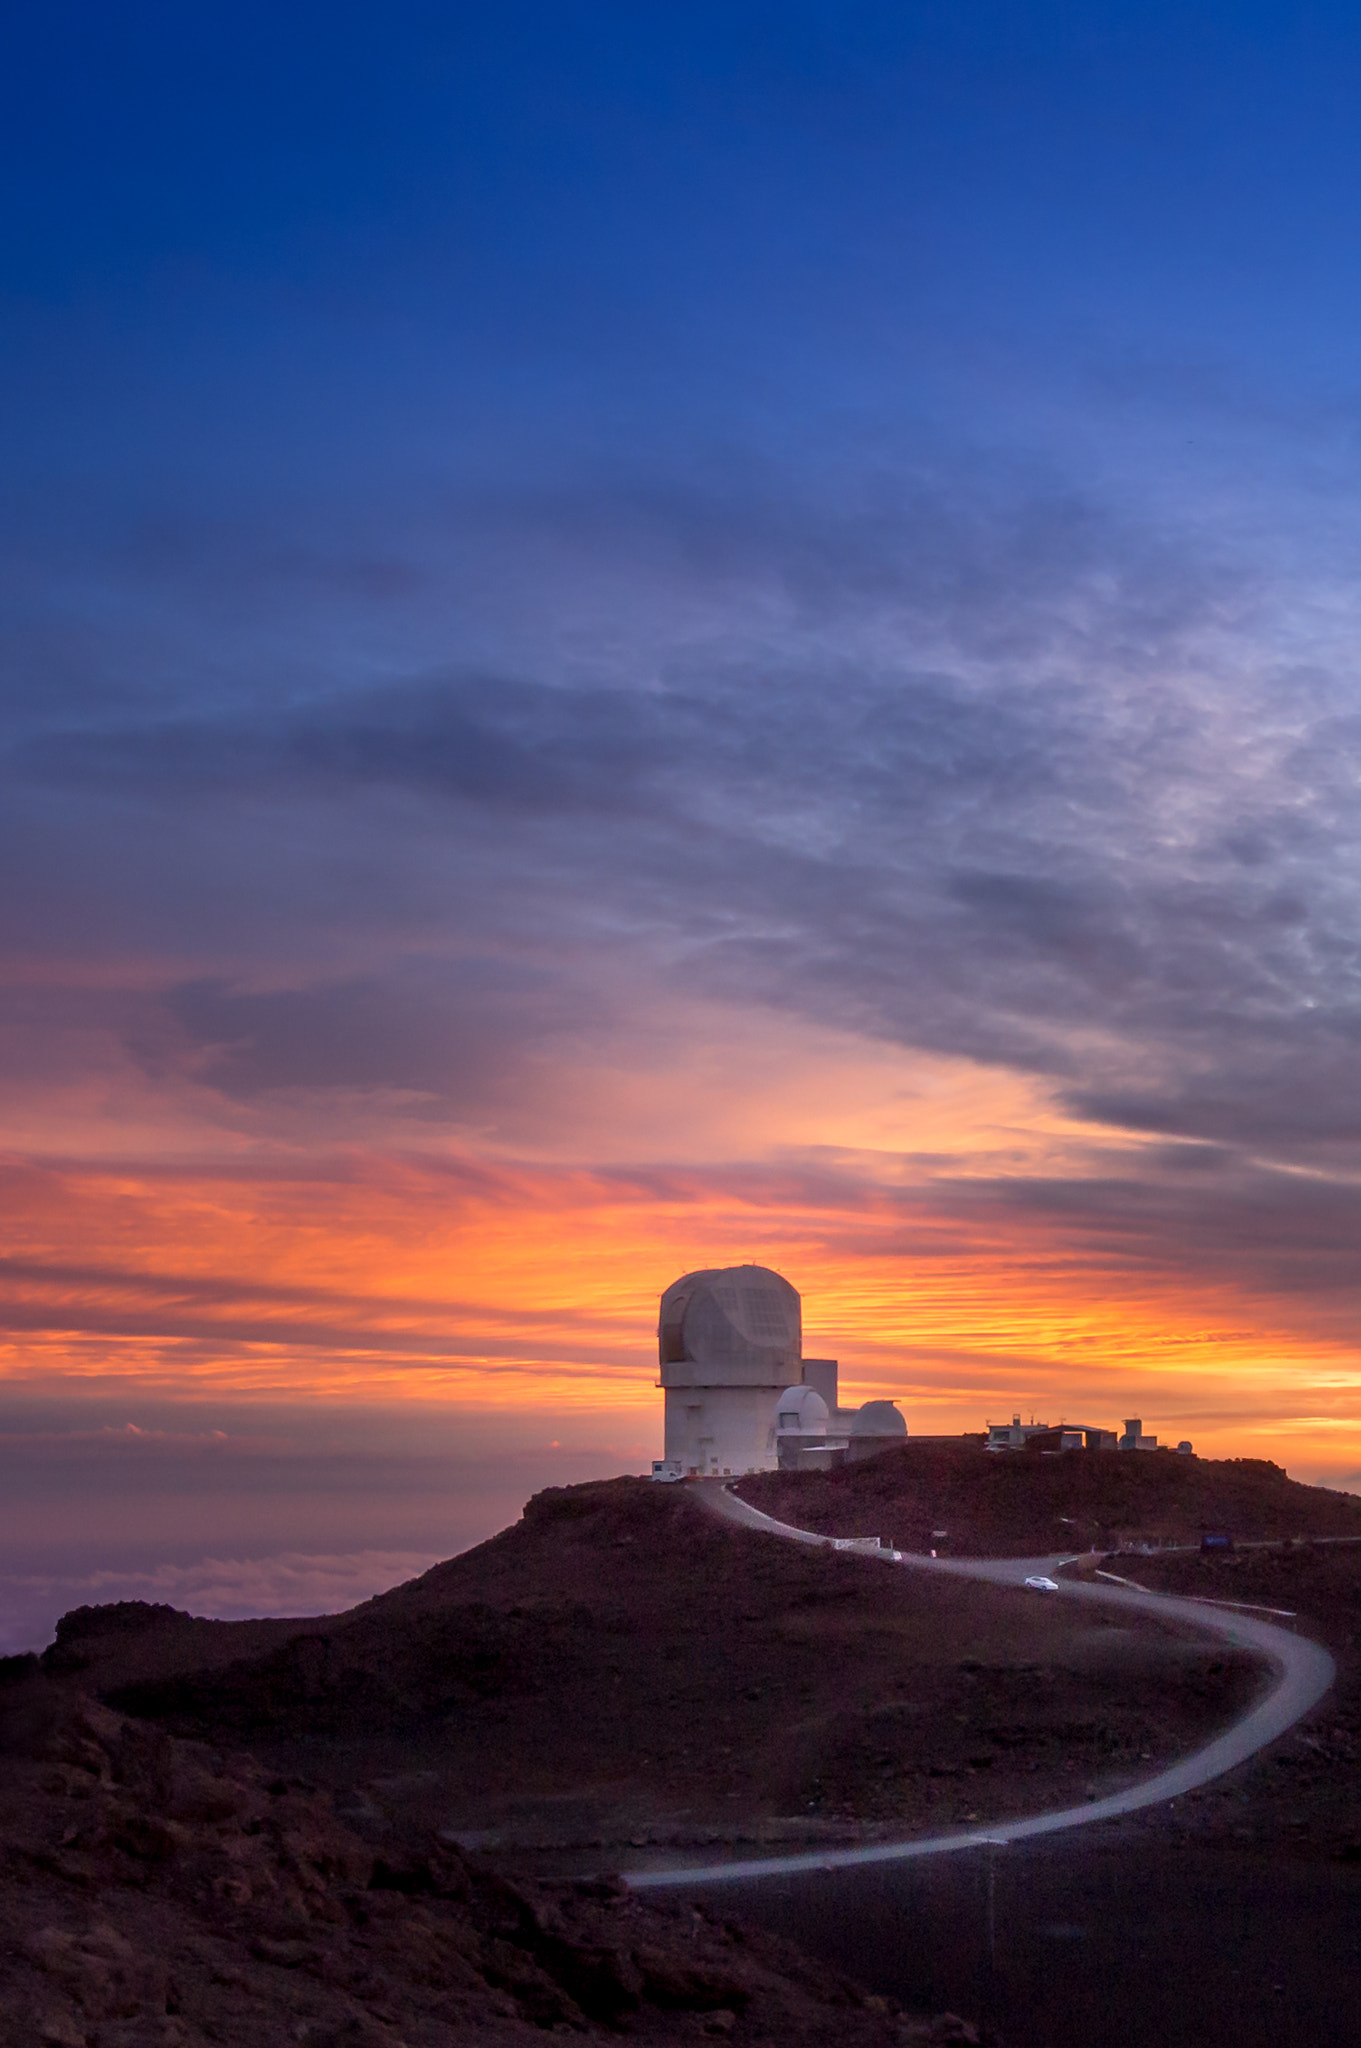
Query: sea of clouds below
pixel 225 1589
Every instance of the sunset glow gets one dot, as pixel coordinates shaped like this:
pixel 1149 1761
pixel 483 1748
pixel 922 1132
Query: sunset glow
pixel 897 1189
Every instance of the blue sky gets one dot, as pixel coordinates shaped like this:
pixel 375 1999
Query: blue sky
pixel 583 225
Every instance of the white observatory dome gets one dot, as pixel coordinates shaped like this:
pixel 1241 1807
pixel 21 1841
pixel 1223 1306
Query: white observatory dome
pixel 878 1418
pixel 739 1326
pixel 728 1338
pixel 802 1409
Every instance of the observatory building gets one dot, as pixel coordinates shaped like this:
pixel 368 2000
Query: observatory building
pixel 740 1395
pixel 730 1339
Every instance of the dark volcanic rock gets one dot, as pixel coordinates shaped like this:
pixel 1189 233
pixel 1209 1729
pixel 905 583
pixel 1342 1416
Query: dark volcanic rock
pixel 154 1893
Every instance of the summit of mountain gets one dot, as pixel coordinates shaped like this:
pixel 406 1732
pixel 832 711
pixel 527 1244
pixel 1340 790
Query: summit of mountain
pixel 963 1501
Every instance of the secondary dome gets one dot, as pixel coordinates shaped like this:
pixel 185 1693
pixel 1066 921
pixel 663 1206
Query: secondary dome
pixel 878 1418
pixel 801 1409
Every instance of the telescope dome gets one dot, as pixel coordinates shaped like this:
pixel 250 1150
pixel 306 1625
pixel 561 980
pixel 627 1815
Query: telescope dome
pixel 801 1409
pixel 878 1418
pixel 735 1326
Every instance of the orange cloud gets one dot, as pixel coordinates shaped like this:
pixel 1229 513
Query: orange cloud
pixel 958 1240
pixel 502 1283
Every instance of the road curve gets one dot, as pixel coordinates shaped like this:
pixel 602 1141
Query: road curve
pixel 1303 1673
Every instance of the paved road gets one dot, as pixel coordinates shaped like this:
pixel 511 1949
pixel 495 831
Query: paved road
pixel 1303 1672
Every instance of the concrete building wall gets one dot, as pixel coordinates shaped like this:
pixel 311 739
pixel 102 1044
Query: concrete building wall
pixel 865 1445
pixel 729 1341
pixel 821 1373
pixel 713 1430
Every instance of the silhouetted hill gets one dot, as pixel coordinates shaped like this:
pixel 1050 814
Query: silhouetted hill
pixel 1019 1504
pixel 622 1666
pixel 152 1640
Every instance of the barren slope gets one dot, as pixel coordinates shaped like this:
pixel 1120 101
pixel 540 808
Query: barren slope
pixel 1304 1796
pixel 154 1896
pixel 620 1666
pixel 1018 1504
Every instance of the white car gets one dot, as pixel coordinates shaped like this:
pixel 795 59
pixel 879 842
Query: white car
pixel 1043 1585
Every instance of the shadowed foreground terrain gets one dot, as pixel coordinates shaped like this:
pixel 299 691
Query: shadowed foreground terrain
pixel 620 1659
pixel 622 1670
pixel 156 1895
pixel 963 1501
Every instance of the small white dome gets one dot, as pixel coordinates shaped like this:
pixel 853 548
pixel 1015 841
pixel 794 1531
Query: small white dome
pixel 878 1418
pixel 802 1409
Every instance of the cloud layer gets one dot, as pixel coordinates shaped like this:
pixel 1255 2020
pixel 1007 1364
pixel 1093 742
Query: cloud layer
pixel 223 1589
pixel 965 767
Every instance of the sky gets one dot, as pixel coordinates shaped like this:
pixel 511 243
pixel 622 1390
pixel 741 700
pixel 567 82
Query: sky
pixel 643 637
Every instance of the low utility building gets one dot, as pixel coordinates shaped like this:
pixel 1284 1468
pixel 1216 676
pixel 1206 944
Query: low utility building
pixel 1071 1436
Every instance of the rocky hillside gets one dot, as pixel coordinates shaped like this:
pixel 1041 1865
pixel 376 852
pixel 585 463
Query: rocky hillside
pixel 967 1502
pixel 621 1670
pixel 155 1895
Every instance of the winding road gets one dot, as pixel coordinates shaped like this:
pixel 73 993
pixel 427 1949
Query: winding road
pixel 1303 1673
